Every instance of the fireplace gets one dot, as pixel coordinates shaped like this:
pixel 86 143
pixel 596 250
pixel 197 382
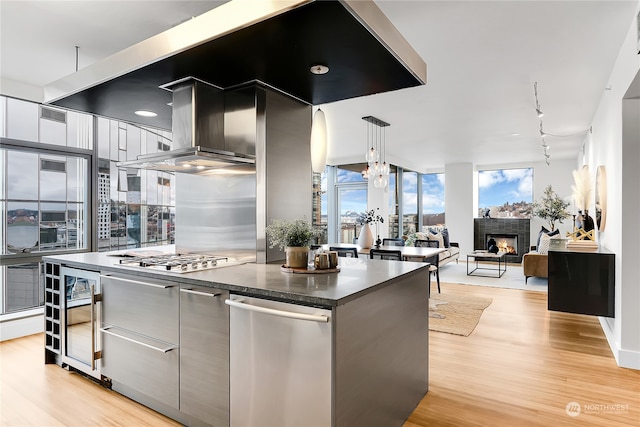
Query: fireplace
pixel 507 243
pixel 503 227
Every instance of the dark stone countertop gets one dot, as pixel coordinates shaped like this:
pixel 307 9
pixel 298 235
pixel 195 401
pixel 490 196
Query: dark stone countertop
pixel 358 277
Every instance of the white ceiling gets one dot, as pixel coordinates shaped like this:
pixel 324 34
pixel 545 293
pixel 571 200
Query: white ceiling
pixel 482 57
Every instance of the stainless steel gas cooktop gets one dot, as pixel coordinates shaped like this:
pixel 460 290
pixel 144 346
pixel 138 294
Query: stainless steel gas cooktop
pixel 180 263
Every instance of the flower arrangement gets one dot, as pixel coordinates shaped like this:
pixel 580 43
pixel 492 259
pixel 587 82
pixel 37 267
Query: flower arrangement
pixel 582 188
pixel 371 217
pixel 288 233
pixel 551 207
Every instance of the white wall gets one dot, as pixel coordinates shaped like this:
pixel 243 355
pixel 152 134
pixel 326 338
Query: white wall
pixel 616 146
pixel 459 204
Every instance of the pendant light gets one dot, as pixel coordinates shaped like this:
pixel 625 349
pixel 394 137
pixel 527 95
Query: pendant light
pixel 318 142
pixel 377 166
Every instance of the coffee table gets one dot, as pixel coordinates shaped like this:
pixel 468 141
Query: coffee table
pixel 486 256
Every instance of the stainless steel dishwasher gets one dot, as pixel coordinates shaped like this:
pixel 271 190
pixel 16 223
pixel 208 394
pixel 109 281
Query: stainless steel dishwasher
pixel 280 363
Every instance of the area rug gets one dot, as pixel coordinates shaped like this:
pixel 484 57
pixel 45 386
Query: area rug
pixel 456 314
pixel 513 278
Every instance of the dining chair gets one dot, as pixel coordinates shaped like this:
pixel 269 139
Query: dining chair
pixel 345 252
pixel 433 261
pixel 385 254
pixel 392 242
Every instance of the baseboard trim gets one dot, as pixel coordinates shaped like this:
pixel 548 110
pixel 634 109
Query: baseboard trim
pixel 17 327
pixel 624 358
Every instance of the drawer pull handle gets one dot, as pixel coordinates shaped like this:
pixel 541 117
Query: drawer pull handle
pixel 152 347
pixel 204 294
pixel 137 282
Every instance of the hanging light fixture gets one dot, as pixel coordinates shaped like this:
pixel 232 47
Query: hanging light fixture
pixel 318 142
pixel 377 166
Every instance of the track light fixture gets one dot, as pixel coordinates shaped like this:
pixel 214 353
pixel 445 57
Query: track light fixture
pixel 544 134
pixel 538 110
pixel 539 113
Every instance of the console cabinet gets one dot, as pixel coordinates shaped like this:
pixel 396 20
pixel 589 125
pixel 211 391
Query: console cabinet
pixel 582 281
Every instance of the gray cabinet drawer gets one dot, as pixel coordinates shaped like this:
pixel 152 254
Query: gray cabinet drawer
pixel 147 307
pixel 204 354
pixel 143 364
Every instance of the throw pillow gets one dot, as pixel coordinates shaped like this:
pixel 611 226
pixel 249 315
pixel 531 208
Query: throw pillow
pixel 411 239
pixel 545 241
pixel 544 231
pixel 445 236
pixel 438 237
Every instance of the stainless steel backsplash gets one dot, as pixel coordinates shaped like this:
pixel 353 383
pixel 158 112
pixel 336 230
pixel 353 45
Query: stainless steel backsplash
pixel 216 214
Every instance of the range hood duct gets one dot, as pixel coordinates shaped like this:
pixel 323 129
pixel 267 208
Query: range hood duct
pixel 199 144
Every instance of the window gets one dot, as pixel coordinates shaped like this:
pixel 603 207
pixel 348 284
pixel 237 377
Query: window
pixel 352 193
pixel 136 208
pixel 46 207
pixel 394 208
pixel 505 193
pixel 409 202
pixel 44 196
pixel 319 217
pixel 43 208
pixel 433 199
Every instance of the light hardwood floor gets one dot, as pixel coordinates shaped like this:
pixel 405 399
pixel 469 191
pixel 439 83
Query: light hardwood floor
pixel 520 367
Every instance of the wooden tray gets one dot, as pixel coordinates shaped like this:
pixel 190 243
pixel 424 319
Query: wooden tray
pixel 286 269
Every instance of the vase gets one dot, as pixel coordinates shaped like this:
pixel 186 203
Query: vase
pixel 365 239
pixel 588 224
pixel 297 256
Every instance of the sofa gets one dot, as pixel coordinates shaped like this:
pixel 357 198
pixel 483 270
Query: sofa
pixel 452 252
pixel 535 264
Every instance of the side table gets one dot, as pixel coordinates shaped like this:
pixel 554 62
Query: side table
pixel 486 256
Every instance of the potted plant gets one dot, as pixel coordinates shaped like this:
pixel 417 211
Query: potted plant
pixel 551 207
pixel 365 239
pixel 294 236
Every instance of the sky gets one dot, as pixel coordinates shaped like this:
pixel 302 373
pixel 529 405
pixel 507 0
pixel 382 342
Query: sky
pixel 432 193
pixel 495 187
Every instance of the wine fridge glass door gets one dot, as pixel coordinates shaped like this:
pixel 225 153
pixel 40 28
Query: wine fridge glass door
pixel 81 340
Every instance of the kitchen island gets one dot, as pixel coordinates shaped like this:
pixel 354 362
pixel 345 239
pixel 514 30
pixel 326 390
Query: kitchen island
pixel 359 356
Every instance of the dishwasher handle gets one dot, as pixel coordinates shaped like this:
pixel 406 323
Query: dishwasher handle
pixel 274 312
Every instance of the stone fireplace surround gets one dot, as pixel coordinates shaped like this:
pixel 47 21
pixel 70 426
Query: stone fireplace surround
pixel 517 226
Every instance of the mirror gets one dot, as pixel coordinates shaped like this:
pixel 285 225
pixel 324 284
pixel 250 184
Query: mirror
pixel 601 198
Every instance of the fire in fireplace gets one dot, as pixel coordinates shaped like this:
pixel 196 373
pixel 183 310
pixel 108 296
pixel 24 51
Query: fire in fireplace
pixel 506 242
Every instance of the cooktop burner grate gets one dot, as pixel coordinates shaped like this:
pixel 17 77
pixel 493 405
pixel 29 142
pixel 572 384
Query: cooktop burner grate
pixel 181 263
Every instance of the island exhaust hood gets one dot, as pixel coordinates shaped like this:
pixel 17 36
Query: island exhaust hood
pixel 273 43
pixel 199 145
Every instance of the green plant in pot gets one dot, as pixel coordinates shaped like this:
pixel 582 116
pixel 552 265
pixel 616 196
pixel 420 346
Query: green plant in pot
pixel 294 236
pixel 551 207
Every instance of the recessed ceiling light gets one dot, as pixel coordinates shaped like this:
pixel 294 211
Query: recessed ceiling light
pixel 145 113
pixel 515 134
pixel 319 69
